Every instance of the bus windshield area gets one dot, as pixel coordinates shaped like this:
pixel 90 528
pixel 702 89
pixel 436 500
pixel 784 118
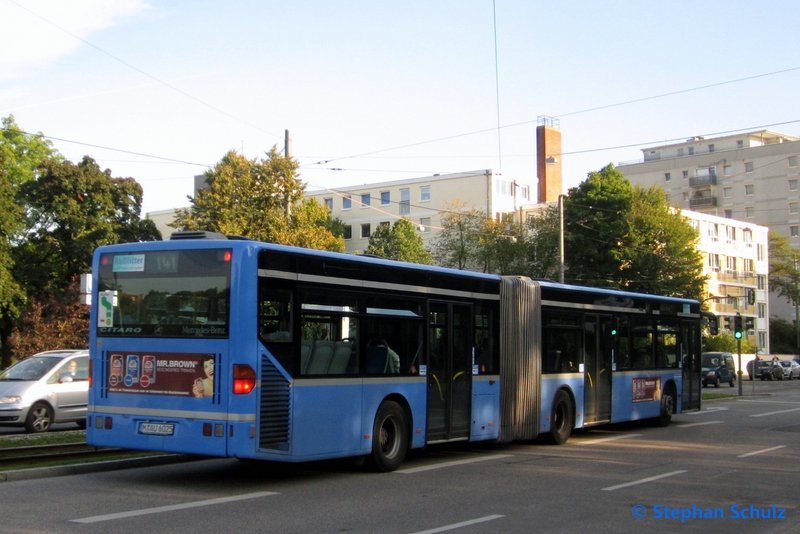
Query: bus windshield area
pixel 164 294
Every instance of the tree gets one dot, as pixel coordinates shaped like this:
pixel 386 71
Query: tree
pixel 259 199
pixel 457 243
pixel 22 155
pixel 71 210
pixel 784 268
pixel 725 342
pixel 399 242
pixel 540 244
pixel 629 238
pixel 782 337
pixel 57 321
pixel 661 256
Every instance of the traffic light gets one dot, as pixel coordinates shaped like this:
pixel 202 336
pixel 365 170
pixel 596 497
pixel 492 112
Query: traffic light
pixel 728 323
pixel 749 323
pixel 737 326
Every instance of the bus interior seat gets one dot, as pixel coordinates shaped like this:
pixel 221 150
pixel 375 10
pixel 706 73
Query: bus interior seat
pixel 341 357
pixel 306 348
pixel 377 359
pixel 320 358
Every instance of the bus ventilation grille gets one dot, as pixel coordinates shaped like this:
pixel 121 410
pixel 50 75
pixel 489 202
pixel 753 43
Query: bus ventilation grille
pixel 274 424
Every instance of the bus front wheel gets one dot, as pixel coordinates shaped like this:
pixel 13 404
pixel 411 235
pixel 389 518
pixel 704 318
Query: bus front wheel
pixel 389 438
pixel 561 418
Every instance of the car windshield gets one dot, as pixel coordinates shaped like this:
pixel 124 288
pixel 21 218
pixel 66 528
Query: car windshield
pixel 786 364
pixel 30 369
pixel 710 360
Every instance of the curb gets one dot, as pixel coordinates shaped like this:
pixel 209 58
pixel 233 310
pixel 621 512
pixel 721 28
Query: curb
pixel 95 467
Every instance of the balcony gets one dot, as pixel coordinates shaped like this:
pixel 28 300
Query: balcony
pixel 703 181
pixel 702 202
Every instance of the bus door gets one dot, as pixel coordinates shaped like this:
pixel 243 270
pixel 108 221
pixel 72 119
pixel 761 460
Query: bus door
pixel 690 364
pixel 449 371
pixel 598 352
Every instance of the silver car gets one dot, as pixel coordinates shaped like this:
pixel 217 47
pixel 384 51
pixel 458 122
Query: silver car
pixel 47 388
pixel 790 369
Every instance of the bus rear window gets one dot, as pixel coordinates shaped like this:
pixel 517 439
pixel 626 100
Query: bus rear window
pixel 175 293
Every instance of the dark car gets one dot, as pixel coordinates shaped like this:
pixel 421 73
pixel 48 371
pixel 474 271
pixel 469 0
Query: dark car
pixel 717 368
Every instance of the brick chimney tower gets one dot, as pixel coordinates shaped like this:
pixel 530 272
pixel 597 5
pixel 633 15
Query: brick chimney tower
pixel 548 158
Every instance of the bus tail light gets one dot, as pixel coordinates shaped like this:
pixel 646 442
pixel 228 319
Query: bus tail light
pixel 244 379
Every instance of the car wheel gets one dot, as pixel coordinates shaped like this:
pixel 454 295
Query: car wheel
pixel 39 419
pixel 732 382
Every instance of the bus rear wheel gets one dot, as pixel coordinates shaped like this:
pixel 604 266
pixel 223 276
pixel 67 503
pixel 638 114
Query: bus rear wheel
pixel 389 438
pixel 561 418
pixel 668 403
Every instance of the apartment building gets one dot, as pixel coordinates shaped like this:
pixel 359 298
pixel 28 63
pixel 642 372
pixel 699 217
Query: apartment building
pixel 735 256
pixel 421 200
pixel 751 177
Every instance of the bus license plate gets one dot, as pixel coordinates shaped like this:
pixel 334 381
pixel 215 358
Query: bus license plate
pixel 157 429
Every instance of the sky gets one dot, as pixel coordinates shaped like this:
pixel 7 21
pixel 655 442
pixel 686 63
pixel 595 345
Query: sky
pixel 376 91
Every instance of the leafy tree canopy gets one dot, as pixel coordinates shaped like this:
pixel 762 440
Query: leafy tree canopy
pixel 399 242
pixel 260 199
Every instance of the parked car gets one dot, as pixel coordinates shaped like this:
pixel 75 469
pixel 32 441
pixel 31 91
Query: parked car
pixel 717 368
pixel 791 369
pixel 46 388
pixel 771 371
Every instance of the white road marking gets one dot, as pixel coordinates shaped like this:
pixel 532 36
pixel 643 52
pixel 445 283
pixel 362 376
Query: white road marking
pixel 775 413
pixel 643 481
pixel 707 410
pixel 753 401
pixel 603 440
pixel 687 425
pixel 761 451
pixel 462 524
pixel 170 508
pixel 451 464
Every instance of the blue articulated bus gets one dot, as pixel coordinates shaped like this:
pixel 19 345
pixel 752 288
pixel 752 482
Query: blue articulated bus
pixel 234 348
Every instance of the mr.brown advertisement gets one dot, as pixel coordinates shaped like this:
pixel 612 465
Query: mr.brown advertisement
pixel 161 373
pixel 646 389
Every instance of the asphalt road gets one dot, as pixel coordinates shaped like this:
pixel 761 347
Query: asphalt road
pixel 711 471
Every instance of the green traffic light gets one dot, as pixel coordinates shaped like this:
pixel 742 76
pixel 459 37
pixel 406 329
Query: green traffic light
pixel 737 335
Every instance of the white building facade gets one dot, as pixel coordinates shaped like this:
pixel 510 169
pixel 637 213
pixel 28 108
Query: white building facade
pixel 363 208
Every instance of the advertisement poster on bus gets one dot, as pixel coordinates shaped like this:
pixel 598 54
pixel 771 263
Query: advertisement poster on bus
pixel 177 374
pixel 646 389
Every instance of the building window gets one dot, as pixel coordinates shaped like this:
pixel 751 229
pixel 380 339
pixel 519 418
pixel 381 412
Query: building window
pixel 667 177
pixel 691 151
pixel 792 185
pixel 365 199
pixel 730 264
pixel 762 339
pixel 749 189
pixel 749 267
pixel 761 251
pixel 727 192
pixel 713 262
pixel 685 197
pixel 727 170
pixel 729 214
pixel 680 152
pixel 525 192
pixel 711 148
pixel 685 175
pixel 794 231
pixel 384 223
pixel 365 230
pixel 713 231
pixel 348 231
pixel 385 198
pixel 750 212
pixel 405 201
pixel 762 310
pixel 730 234
pixel 748 166
pixel 794 208
pixel 425 193
pixel 762 281
pixel 747 234
pixel 425 225
pixel 792 161
pixel 329 203
pixel 347 202
pixel 739 144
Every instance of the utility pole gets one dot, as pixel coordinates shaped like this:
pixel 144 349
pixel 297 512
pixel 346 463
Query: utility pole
pixel 287 153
